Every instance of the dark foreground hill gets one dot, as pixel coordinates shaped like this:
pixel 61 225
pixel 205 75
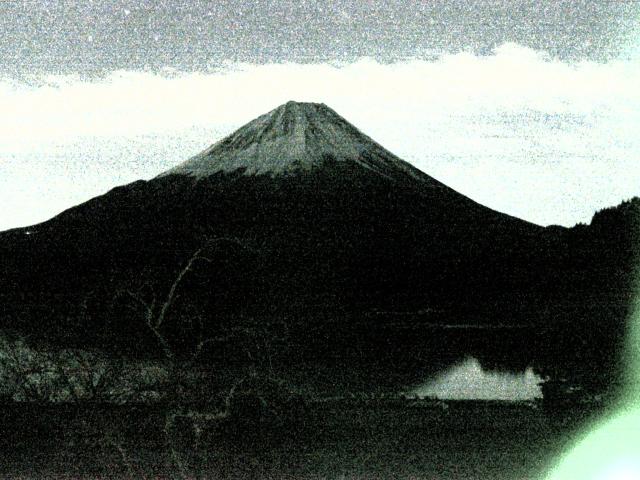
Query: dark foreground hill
pixel 302 232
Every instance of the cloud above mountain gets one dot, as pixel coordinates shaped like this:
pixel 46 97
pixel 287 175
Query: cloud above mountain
pixel 519 131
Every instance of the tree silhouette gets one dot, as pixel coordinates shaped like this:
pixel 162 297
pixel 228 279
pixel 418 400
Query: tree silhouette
pixel 156 308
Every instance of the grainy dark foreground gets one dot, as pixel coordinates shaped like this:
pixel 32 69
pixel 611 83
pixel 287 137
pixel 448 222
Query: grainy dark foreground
pixel 332 440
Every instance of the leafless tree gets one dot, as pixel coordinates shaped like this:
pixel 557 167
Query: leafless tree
pixel 88 376
pixel 156 310
pixel 255 339
pixel 28 375
pixel 44 375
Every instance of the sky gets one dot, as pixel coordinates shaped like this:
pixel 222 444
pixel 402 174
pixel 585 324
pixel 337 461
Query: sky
pixel 529 107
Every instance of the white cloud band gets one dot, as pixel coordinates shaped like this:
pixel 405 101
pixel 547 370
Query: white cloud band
pixel 537 138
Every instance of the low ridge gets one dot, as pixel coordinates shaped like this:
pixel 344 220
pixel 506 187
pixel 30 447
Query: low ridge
pixel 294 137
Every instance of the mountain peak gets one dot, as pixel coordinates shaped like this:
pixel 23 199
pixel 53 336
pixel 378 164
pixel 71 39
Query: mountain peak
pixel 292 106
pixel 294 137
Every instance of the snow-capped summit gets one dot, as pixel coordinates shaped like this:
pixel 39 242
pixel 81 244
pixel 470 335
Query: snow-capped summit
pixel 292 138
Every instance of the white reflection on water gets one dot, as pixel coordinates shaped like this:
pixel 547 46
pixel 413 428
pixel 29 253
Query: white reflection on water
pixel 468 381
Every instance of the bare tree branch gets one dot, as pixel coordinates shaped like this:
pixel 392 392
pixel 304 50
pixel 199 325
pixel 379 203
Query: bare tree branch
pixel 155 321
pixel 197 255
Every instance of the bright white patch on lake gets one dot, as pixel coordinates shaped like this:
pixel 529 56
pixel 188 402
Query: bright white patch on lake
pixel 468 381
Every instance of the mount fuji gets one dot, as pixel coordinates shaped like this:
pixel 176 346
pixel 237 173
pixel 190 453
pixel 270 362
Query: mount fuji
pixel 298 218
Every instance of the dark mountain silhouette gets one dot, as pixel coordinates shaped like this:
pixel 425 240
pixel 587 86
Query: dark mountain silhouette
pixel 299 223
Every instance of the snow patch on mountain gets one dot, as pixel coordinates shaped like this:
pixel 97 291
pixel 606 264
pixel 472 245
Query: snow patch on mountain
pixel 296 137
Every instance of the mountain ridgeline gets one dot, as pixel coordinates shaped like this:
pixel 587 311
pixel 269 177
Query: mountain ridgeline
pixel 299 229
